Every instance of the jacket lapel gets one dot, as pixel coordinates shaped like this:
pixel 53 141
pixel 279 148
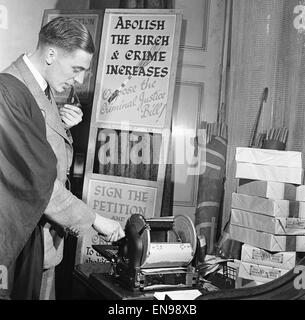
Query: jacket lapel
pixel 48 108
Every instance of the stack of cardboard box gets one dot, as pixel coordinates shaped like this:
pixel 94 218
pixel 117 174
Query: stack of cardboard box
pixel 268 210
pixel 261 266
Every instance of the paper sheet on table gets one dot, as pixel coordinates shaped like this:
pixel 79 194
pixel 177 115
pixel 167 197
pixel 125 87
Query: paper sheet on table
pixel 178 295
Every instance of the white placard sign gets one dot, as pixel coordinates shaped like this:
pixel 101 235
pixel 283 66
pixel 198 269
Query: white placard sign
pixel 118 201
pixel 137 68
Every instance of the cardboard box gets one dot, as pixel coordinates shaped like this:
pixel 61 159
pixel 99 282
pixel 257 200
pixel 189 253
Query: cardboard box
pixel 292 159
pixel 300 193
pixel 267 189
pixel 259 273
pixel 274 208
pixel 267 241
pixel 269 173
pixel 261 222
pixel 281 260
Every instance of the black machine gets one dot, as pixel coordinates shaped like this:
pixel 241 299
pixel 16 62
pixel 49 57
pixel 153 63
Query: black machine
pixel 155 253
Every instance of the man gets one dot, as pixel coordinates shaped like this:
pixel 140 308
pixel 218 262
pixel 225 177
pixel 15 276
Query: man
pixel 63 55
pixel 28 172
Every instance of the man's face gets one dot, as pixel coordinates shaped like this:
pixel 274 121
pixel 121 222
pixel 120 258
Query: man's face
pixel 67 68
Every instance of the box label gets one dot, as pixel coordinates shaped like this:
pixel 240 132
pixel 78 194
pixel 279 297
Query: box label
pixel 268 274
pixel 265 256
pixel 294 223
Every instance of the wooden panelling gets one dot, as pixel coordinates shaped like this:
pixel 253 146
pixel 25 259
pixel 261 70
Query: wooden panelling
pixel 198 83
pixel 195 33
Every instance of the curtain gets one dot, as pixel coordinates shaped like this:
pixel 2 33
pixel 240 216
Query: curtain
pixel 267 51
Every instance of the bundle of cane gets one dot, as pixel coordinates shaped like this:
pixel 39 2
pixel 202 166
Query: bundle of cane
pixel 260 140
pixel 142 64
pixel 280 134
pixel 276 139
pixel 216 129
pixel 264 97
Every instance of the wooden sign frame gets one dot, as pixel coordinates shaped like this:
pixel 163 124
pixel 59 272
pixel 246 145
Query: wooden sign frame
pixel 93 20
pixel 159 90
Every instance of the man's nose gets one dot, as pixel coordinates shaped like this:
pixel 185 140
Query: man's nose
pixel 80 77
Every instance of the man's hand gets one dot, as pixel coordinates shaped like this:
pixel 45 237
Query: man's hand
pixel 111 230
pixel 71 115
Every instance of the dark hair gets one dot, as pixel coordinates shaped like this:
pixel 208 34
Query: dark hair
pixel 66 33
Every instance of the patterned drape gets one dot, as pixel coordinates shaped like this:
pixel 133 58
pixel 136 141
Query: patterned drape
pixel 210 190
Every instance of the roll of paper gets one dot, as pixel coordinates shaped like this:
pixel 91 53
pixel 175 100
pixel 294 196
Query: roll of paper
pixel 168 255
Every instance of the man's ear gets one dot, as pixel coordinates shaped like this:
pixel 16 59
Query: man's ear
pixel 51 55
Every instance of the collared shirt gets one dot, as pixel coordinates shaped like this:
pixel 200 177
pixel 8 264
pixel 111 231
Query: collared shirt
pixel 38 77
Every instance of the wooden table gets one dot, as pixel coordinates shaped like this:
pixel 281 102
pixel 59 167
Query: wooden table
pixel 93 282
